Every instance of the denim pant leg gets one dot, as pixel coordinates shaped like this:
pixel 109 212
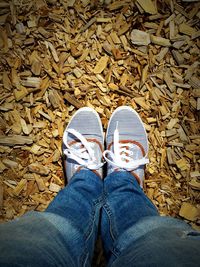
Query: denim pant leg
pixel 158 241
pixel 134 236
pixel 63 235
pixel 124 204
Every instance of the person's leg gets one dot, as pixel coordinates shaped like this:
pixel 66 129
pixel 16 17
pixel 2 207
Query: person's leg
pixel 158 241
pixel 63 235
pixel 125 204
pixel 133 234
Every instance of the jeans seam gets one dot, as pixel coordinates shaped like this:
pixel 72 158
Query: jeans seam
pixel 107 209
pixel 83 258
pixel 112 229
pixel 95 204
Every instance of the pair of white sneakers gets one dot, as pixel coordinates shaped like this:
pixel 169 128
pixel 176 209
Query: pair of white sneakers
pixel 126 143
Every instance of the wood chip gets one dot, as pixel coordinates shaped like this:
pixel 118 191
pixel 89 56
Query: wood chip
pixel 15 140
pixel 117 4
pixel 189 212
pixel 25 127
pixel 172 123
pixel 54 99
pixel 198 103
pixel 6 81
pixel 20 94
pixel 115 38
pixel 21 186
pixel 140 38
pixel 38 199
pixel 178 57
pixel 38 168
pixel 140 101
pixel 148 6
pixel 162 53
pixel 160 40
pixel 36 67
pixel 186 29
pixel 169 81
pixel 45 115
pixel 78 72
pixel 54 187
pixel 170 156
pixel 101 64
pixel 2 167
pixel 88 24
pixel 10 163
pixel 1 196
pixel 195 184
pixel 53 51
pixel 182 164
pixel 72 100
pixel 40 183
pixel 32 82
pixel 35 149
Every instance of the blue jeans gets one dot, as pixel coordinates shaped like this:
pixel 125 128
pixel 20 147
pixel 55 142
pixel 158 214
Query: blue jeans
pixel 132 231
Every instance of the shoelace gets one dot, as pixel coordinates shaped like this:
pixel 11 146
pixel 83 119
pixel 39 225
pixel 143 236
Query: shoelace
pixel 83 154
pixel 121 157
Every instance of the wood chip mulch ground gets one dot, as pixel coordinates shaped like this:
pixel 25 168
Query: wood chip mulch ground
pixel 57 56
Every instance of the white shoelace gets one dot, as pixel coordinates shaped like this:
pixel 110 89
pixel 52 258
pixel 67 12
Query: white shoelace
pixel 121 157
pixel 83 153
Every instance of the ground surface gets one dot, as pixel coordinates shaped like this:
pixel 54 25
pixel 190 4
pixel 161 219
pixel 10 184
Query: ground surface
pixel 57 56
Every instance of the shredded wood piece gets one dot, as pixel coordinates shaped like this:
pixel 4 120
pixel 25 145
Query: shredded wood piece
pixel 160 41
pixel 54 187
pixel 53 51
pixel 15 140
pixel 1 196
pixel 140 38
pixel 148 6
pixel 38 168
pixel 189 212
pixel 21 185
pixel 88 24
pixel 72 100
pixel 101 64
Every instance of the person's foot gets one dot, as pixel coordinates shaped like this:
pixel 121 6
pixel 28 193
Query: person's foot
pixel 126 143
pixel 83 143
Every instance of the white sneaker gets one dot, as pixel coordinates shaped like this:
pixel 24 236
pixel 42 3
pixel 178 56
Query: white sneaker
pixel 126 143
pixel 83 143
